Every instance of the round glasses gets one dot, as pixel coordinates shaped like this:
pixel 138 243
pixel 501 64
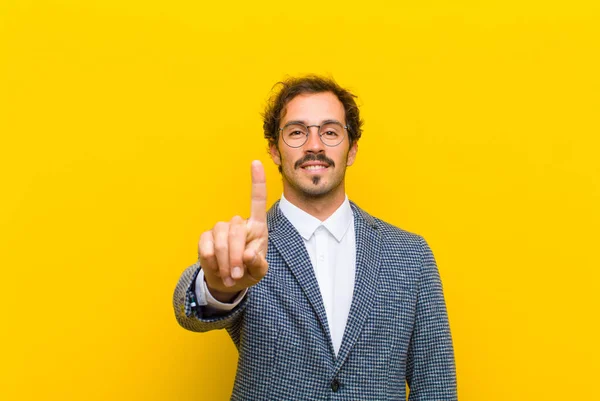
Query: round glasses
pixel 295 134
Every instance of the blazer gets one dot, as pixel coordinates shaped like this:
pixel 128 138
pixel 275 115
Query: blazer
pixel 397 331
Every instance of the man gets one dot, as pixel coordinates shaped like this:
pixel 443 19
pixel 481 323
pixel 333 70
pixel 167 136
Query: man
pixel 322 300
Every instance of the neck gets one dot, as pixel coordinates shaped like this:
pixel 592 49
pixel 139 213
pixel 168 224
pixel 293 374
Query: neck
pixel 320 207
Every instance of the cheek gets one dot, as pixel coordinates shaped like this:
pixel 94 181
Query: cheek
pixel 289 157
pixel 341 158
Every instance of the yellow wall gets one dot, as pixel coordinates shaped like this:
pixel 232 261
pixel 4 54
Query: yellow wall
pixel 127 128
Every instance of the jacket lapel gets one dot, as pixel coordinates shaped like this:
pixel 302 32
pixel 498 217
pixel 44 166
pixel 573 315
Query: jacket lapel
pixel 290 246
pixel 368 251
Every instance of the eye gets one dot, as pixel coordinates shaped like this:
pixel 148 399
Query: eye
pixel 294 131
pixel 332 130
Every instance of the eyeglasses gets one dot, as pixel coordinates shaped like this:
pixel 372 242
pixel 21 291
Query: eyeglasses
pixel 295 134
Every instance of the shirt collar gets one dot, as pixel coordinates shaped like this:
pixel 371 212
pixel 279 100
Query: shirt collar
pixel 337 224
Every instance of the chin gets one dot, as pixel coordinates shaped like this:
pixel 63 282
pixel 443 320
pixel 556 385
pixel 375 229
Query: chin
pixel 307 188
pixel 316 192
pixel 322 189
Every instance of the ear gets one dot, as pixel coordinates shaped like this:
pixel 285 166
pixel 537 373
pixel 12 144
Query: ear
pixel 352 154
pixel 275 156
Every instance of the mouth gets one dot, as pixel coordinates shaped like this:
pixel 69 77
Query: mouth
pixel 314 167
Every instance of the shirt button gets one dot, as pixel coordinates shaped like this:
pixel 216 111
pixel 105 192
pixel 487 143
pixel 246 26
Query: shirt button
pixel 335 385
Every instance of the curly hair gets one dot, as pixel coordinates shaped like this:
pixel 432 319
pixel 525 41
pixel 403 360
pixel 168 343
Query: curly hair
pixel 292 87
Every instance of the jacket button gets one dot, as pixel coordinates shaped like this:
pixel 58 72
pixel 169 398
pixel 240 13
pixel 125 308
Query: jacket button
pixel 335 385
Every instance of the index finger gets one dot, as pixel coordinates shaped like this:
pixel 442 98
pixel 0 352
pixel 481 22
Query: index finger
pixel 258 207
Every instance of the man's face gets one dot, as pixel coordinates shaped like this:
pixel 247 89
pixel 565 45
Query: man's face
pixel 314 170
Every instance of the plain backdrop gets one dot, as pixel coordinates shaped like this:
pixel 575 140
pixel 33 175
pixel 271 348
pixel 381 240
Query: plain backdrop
pixel 128 127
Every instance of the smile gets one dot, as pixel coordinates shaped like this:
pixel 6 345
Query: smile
pixel 314 167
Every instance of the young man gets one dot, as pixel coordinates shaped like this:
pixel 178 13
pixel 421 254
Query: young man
pixel 322 300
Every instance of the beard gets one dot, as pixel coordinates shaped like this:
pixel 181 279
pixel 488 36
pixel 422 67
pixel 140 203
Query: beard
pixel 318 186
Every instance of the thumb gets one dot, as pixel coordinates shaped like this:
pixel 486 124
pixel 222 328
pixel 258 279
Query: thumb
pixel 256 264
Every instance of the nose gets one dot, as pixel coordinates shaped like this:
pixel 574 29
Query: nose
pixel 313 143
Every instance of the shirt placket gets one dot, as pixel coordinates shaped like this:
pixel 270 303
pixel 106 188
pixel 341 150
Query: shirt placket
pixel 324 274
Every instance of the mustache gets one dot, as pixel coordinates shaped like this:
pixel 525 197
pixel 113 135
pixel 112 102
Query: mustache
pixel 311 157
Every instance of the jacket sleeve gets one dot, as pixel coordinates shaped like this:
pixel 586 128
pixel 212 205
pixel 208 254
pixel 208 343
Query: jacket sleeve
pixel 193 317
pixel 431 372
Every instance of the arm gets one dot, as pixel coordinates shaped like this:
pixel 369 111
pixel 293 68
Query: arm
pixel 194 317
pixel 232 256
pixel 430 371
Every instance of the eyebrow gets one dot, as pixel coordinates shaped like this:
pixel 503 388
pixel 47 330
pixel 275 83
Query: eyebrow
pixel 305 123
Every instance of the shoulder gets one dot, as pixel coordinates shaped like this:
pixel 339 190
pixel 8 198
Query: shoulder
pixel 403 256
pixel 393 238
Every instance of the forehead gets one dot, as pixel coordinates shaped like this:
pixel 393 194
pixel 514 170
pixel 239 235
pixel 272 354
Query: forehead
pixel 313 108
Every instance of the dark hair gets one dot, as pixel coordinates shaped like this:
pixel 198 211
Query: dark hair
pixel 292 87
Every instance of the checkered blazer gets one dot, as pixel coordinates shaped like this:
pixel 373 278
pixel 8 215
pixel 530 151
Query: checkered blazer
pixel 397 331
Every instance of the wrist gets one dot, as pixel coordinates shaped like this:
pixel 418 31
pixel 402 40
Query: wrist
pixel 221 296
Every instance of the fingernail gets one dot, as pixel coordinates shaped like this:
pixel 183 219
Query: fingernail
pixel 228 281
pixel 237 272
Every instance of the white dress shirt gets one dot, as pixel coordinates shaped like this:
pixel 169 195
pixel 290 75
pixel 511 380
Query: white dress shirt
pixel 331 246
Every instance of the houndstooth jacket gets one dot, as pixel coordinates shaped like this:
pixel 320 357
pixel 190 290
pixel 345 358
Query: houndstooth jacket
pixel 397 331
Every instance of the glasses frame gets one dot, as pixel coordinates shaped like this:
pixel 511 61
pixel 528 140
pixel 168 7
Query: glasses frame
pixel 345 127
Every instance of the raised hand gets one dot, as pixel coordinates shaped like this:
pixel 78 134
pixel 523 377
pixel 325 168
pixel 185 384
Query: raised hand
pixel 232 254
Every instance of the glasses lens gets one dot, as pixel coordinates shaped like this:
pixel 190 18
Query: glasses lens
pixel 294 135
pixel 332 134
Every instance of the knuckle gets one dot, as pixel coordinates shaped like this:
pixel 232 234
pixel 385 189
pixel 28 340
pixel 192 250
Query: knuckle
pixel 221 226
pixel 221 237
pixel 205 236
pixel 237 219
pixel 207 252
pixel 220 246
pixel 234 230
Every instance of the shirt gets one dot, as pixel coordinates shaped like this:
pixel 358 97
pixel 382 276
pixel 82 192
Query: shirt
pixel 331 246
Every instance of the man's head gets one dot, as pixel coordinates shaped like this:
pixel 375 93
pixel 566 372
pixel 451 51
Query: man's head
pixel 312 126
pixel 310 84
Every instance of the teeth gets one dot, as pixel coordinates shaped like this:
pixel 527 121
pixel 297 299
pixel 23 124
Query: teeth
pixel 313 167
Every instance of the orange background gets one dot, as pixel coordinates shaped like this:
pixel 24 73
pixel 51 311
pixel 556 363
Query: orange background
pixel 128 127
